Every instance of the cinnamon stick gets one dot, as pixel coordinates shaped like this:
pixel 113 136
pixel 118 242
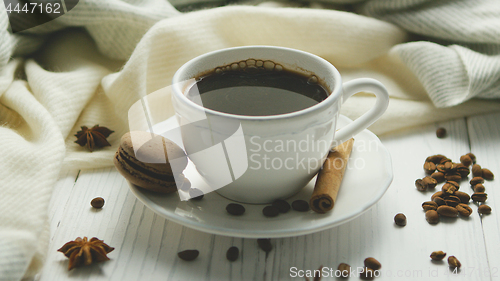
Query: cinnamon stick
pixel 330 177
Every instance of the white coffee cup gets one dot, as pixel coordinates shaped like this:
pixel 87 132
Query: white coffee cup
pixel 258 159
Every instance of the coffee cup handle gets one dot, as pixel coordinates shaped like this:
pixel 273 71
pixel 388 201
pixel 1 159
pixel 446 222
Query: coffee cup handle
pixel 362 85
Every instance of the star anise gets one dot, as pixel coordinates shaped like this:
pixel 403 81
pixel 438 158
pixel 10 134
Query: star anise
pixel 83 252
pixel 93 137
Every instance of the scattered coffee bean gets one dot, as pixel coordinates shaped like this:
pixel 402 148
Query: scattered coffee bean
pixel 432 217
pixel 232 253
pixel 465 159
pixel 487 174
pixel 400 219
pixel 344 269
pixel 476 180
pixel 372 263
pixel 438 176
pixel 429 167
pixel 477 171
pixel 265 244
pixel 454 183
pixel 270 211
pixel 429 205
pixel 441 133
pixel 453 177
pixel 463 170
pixel 472 157
pixel 438 255
pixel 421 185
pixel 439 201
pixel 282 205
pixel 436 159
pixel 464 209
pixel 453 262
pixel 97 202
pixel 300 205
pixel 479 196
pixel 479 188
pixel 464 197
pixel 367 274
pixel 448 167
pixel 440 168
pixel 188 255
pixel 195 194
pixel 437 194
pixel 430 181
pixel 484 209
pixel 447 211
pixel 452 200
pixel 448 189
pixel 235 209
pixel 445 160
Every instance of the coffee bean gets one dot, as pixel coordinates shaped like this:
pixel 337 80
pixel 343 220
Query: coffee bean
pixel 232 253
pixel 432 217
pixel 97 202
pixel 464 197
pixel 452 200
pixel 449 167
pixel 437 194
pixel 372 263
pixel 429 205
pixel 436 159
pixel 440 168
pixel 188 255
pixel 479 196
pixel 438 176
pixel 477 171
pixel 465 159
pixel 463 171
pixel 484 209
pixel 367 274
pixel 421 185
pixel 282 205
pixel 270 211
pixel 195 194
pixel 300 205
pixel 429 167
pixel 439 201
pixel 441 133
pixel 453 262
pixel 447 211
pixel 400 219
pixel 235 209
pixel 453 177
pixel 448 189
pixel 478 188
pixel 454 183
pixel 444 160
pixel 344 269
pixel 265 244
pixel 487 174
pixel 476 180
pixel 431 182
pixel 438 255
pixel 464 209
pixel 472 157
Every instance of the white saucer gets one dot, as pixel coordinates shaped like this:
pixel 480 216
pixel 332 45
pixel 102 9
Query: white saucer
pixel 368 175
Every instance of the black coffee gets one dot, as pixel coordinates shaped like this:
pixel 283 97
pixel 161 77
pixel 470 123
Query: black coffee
pixel 257 91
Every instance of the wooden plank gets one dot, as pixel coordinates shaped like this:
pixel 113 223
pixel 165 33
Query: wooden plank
pixel 147 245
pixel 484 132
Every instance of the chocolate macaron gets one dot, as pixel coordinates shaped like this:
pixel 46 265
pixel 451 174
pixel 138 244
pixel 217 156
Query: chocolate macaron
pixel 151 161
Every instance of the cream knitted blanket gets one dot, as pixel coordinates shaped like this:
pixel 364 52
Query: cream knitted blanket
pixel 125 49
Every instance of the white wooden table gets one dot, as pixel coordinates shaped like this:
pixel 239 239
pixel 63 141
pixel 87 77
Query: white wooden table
pixel 147 245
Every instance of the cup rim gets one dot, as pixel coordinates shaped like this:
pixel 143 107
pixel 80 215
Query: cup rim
pixel 333 96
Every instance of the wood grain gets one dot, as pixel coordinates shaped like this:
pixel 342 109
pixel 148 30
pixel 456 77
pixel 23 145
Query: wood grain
pixel 146 244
